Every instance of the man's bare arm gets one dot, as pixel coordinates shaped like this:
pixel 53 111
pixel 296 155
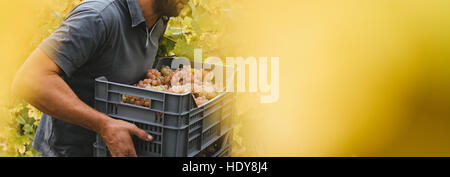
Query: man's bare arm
pixel 38 81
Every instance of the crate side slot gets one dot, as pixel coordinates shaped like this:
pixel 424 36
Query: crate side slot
pixel 135 91
pixel 194 146
pixel 147 149
pixel 212 119
pixel 214 147
pixel 133 113
pixel 195 126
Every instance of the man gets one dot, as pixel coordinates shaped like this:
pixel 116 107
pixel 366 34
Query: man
pixel 113 38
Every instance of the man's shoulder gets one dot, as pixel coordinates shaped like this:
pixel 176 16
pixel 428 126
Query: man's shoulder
pixel 108 10
pixel 99 6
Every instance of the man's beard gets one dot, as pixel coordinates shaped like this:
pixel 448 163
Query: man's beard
pixel 166 8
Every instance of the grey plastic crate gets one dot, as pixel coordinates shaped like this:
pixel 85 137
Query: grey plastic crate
pixel 224 153
pixel 220 148
pixel 179 127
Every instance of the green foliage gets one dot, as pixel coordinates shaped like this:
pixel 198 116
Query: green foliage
pixel 203 24
pixel 165 47
pixel 22 122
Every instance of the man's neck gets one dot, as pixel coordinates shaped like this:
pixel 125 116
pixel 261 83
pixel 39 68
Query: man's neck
pixel 148 11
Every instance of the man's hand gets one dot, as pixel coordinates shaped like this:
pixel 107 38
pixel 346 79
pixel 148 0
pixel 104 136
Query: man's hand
pixel 116 134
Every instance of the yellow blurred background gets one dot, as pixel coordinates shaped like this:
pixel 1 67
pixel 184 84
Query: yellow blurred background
pixel 357 78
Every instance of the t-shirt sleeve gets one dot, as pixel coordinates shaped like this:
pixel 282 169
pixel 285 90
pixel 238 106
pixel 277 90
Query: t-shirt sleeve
pixel 76 40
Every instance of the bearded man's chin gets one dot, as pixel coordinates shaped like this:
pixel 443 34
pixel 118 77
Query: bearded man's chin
pixel 174 12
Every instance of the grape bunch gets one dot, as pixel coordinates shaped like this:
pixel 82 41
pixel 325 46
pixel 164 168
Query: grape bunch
pixel 153 81
pixel 136 100
pixel 200 100
pixel 179 81
pixel 199 82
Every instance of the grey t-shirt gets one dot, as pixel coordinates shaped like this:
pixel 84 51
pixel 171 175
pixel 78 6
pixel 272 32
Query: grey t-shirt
pixel 98 38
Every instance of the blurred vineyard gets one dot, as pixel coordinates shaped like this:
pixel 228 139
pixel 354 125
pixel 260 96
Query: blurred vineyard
pixel 19 120
pixel 202 24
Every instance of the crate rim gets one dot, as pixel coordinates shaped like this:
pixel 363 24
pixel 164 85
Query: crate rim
pixel 105 80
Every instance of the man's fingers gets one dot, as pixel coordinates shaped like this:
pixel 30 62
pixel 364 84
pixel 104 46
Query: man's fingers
pixel 140 133
pixel 124 150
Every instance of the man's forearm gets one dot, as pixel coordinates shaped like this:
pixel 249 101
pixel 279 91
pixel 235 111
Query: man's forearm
pixel 53 96
pixel 48 92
